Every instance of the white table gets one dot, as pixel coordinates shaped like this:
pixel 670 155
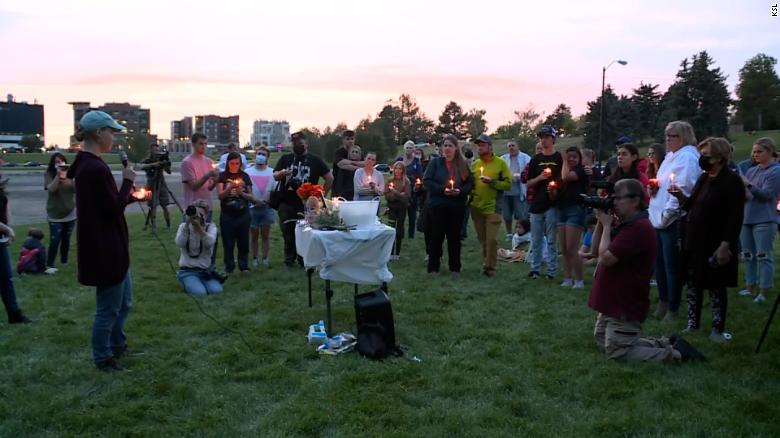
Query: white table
pixel 356 256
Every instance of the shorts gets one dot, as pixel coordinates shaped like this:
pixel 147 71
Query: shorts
pixel 261 216
pixel 514 207
pixel 572 215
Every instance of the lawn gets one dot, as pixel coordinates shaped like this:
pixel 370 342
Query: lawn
pixel 497 357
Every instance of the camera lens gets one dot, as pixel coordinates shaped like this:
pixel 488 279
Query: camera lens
pixel 191 211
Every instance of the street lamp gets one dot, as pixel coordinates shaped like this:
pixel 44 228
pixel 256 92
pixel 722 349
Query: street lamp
pixel 601 107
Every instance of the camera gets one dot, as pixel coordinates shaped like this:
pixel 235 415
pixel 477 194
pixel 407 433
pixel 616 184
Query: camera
pixel 607 186
pixel 163 158
pixel 293 183
pixel 191 211
pixel 598 203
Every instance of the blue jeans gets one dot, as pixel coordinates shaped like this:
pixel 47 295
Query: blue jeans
pixel 544 225
pixel 667 266
pixel 757 240
pixel 108 328
pixel 198 282
pixel 514 207
pixel 59 236
pixel 7 290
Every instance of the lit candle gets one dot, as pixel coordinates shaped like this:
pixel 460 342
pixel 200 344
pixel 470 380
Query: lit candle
pixel 653 182
pixel 481 171
pixel 141 194
pixel 671 178
pixel 335 202
pixel 391 186
pixel 553 185
pixel 418 181
pixel 369 179
pixel 547 171
pixel 452 184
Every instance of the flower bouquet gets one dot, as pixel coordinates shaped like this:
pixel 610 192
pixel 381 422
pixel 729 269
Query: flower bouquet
pixel 319 214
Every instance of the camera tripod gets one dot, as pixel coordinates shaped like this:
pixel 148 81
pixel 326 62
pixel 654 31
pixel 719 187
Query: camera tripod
pixel 156 186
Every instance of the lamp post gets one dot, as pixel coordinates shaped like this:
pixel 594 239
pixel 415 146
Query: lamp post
pixel 601 107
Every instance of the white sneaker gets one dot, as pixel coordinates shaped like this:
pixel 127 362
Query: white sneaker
pixel 745 293
pixel 50 271
pixel 266 262
pixel 578 284
pixel 720 338
pixel 567 282
pixel 760 298
pixel 255 262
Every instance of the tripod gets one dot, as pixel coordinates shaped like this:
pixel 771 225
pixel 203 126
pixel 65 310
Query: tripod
pixel 158 182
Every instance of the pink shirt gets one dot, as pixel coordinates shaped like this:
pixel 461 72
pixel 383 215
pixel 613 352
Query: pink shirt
pixel 193 167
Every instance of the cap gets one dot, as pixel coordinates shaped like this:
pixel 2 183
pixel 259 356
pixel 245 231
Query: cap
pixel 547 130
pixel 483 138
pixel 348 133
pixel 623 140
pixel 95 120
pixel 409 144
pixel 297 136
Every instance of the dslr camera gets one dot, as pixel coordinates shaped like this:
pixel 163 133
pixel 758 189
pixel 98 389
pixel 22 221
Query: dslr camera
pixel 607 186
pixel 192 214
pixel 293 183
pixel 164 159
pixel 599 203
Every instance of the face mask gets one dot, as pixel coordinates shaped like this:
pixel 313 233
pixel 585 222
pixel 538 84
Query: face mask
pixel 704 163
pixel 299 149
pixel 261 159
pixel 469 154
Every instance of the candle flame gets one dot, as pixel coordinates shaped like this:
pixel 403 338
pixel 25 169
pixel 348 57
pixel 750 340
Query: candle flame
pixel 671 177
pixel 418 180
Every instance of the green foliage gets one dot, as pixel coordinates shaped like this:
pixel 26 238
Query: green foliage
pixel 138 148
pixel 646 105
pixel 452 121
pixel 758 90
pixel 506 356
pixel 476 123
pixel 31 143
pixel 562 120
pixel 522 130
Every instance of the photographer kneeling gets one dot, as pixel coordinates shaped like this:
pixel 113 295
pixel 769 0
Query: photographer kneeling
pixel 621 289
pixel 196 239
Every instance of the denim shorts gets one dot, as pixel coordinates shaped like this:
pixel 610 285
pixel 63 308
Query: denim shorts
pixel 573 215
pixel 261 216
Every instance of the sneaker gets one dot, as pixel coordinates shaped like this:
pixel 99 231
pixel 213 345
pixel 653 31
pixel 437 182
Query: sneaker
pixel 687 351
pixel 533 275
pixel 426 258
pixel 578 284
pixel 50 271
pixel 266 262
pixel 720 338
pixel 653 283
pixel 760 298
pixel 110 365
pixel 255 261
pixel 550 277
pixel 509 237
pixel 745 293
pixel 567 282
pixel 18 317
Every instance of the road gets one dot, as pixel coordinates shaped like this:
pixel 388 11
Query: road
pixel 28 198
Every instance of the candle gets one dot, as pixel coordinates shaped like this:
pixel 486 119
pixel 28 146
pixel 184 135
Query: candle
pixel 547 171
pixel 452 184
pixel 369 179
pixel 553 185
pixel 418 181
pixel 335 202
pixel 671 178
pixel 141 194
pixel 391 185
pixel 653 182
pixel 481 171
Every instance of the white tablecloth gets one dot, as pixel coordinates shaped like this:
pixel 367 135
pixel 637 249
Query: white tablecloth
pixel 355 256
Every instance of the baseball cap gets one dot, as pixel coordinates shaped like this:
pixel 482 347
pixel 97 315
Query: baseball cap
pixel 409 144
pixel 94 120
pixel 547 130
pixel 623 140
pixel 348 133
pixel 484 138
pixel 298 136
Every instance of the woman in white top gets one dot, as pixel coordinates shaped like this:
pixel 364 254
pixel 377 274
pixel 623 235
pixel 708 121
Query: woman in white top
pixel 369 183
pixel 196 238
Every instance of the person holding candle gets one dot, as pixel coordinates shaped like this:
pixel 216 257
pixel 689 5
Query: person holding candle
pixel 397 193
pixel 655 156
pixel 60 210
pixel 571 216
pixel 448 182
pixel 262 216
pixel 196 170
pixel 368 182
pixel 711 240
pixel 544 169
pixel 419 192
pixel 762 183
pixel 494 179
pixel 515 206
pixel 234 190
pixel 103 248
pixel 682 161
pixel 414 171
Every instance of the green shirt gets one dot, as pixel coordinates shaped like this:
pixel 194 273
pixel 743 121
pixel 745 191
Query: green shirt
pixel 484 196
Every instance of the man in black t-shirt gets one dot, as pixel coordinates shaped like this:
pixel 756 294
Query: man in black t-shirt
pixel 344 168
pixel 291 171
pixel 544 177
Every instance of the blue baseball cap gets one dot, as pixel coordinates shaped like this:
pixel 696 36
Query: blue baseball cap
pixel 95 120
pixel 484 138
pixel 623 140
pixel 547 130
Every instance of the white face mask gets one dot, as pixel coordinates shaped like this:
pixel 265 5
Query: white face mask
pixel 261 159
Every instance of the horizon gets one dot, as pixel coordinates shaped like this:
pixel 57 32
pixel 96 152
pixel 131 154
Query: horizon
pixel 327 64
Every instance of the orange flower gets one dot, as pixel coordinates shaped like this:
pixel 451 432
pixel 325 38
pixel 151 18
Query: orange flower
pixel 308 189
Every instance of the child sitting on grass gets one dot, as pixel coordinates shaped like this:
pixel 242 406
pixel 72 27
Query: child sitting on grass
pixel 32 258
pixel 587 240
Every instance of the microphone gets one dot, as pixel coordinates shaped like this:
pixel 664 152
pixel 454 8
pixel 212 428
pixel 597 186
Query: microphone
pixel 123 157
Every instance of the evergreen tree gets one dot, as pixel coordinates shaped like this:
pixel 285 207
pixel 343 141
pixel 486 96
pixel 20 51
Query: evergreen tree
pixel 452 121
pixel 758 91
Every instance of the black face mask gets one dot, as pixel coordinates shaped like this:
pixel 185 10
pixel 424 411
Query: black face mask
pixel 469 154
pixel 299 149
pixel 704 163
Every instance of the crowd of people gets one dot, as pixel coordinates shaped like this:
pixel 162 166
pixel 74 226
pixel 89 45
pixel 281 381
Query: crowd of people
pixel 643 220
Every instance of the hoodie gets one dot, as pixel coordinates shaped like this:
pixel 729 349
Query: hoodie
pixel 103 247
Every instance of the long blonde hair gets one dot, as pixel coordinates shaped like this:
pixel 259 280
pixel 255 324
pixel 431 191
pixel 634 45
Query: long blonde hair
pixel 404 179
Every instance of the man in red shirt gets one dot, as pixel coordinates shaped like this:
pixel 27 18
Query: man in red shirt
pixel 621 289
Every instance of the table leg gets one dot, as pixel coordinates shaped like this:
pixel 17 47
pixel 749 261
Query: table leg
pixel 328 296
pixel 308 273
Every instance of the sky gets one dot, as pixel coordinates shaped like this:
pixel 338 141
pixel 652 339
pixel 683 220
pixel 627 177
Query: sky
pixel 317 63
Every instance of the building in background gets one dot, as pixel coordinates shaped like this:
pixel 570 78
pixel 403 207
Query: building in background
pixel 133 117
pixel 18 120
pixel 221 131
pixel 270 132
pixel 181 132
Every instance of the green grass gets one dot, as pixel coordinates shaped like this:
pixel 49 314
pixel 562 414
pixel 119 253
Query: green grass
pixel 501 357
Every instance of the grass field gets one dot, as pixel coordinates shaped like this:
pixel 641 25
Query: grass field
pixel 498 357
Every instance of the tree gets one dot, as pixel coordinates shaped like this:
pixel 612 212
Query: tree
pixel 646 104
pixel 700 97
pixel 476 123
pixel 138 147
pixel 31 142
pixel 562 120
pixel 523 129
pixel 412 122
pixel 592 118
pixel 452 121
pixel 758 91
